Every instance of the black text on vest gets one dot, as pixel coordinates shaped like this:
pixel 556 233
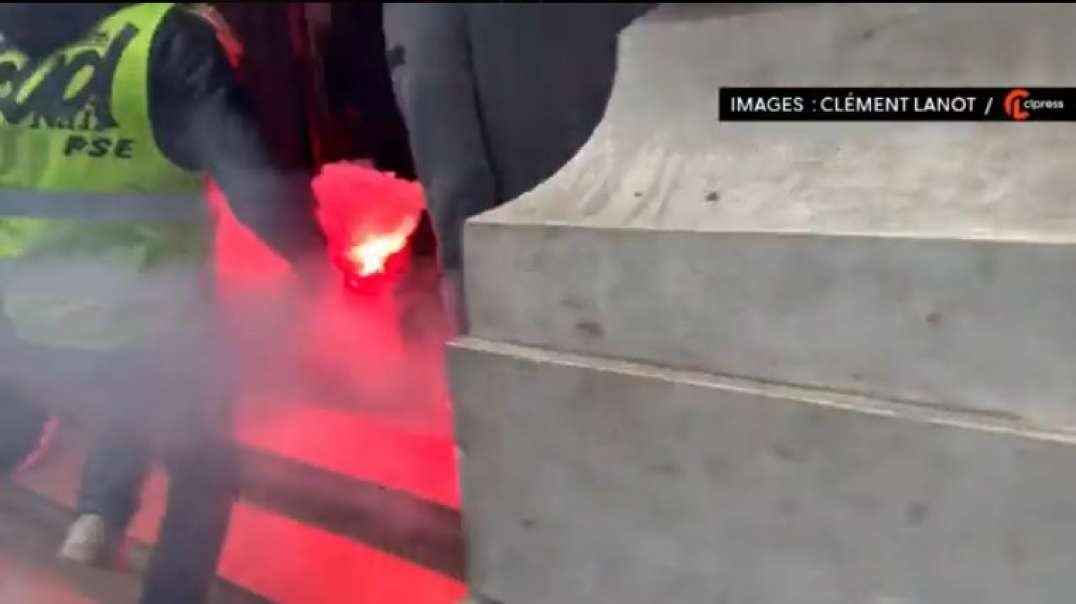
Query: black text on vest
pixel 49 103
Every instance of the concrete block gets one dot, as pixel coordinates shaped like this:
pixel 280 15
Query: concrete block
pixel 922 261
pixel 591 481
pixel 809 363
pixel 983 325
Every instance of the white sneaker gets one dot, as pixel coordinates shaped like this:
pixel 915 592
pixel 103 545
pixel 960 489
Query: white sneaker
pixel 87 541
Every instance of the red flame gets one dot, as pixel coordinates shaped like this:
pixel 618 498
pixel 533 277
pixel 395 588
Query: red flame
pixel 368 257
pixel 367 216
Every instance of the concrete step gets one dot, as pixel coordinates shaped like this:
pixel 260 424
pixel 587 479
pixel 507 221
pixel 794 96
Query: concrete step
pixel 607 481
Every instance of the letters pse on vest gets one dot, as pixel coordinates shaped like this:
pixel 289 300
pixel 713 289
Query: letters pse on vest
pixel 85 192
pixel 78 120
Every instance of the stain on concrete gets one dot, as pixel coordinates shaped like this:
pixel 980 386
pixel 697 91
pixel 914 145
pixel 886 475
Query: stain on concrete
pixel 788 507
pixel 572 304
pixel 592 329
pixel 715 466
pixel 1015 551
pixel 917 513
pixel 668 469
pixel 788 453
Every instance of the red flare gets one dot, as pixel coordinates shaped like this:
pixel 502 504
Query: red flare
pixel 368 217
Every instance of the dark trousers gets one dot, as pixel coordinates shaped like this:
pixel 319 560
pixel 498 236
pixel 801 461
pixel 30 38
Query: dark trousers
pixel 21 426
pixel 200 496
pixel 166 399
pixel 112 477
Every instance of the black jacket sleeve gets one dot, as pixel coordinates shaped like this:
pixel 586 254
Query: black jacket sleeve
pixel 203 122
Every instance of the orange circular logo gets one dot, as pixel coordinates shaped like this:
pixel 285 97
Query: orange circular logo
pixel 1012 104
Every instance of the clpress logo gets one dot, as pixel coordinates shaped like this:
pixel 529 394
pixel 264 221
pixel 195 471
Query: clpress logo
pixel 1013 106
pixel 1019 105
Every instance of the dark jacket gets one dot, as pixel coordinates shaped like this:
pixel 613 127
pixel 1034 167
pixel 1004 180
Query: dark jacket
pixel 200 118
pixel 498 96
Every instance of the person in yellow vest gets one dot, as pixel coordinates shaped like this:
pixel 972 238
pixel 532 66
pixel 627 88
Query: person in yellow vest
pixel 111 116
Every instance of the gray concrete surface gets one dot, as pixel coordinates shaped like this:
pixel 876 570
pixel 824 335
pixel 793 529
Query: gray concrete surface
pixel 927 262
pixel 981 325
pixel 660 149
pixel 592 481
pixel 878 315
pixel 589 481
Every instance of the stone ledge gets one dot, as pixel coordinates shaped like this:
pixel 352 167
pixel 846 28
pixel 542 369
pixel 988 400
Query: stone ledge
pixel 983 325
pixel 585 481
pixel 921 261
pixel 939 415
pixel 661 159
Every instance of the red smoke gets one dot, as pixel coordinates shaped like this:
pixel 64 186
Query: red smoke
pixel 373 404
pixel 367 216
pixel 332 336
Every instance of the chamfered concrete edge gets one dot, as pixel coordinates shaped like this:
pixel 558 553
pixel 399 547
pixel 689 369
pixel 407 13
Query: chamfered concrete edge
pixel 953 417
pixel 979 324
pixel 503 566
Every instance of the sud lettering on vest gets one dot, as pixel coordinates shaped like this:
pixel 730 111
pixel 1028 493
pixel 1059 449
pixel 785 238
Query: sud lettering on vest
pixel 56 90
pixel 90 101
pixel 101 236
pixel 71 91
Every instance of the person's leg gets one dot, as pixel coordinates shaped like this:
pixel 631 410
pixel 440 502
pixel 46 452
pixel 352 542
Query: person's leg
pixel 118 459
pixel 109 494
pixel 22 425
pixel 22 422
pixel 199 455
pixel 112 477
pixel 200 496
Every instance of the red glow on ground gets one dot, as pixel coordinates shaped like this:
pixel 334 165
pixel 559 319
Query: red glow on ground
pixel 285 561
pixel 299 564
pixel 383 415
pixel 361 446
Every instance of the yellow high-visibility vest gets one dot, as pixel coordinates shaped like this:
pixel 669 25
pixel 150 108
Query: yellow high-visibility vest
pixel 101 235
